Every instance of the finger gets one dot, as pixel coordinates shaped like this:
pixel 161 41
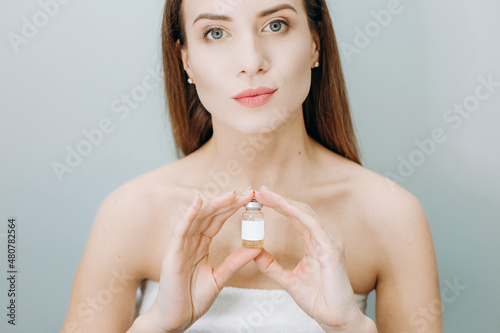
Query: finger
pixel 215 204
pixel 178 240
pixel 207 211
pixel 299 213
pixel 271 268
pixel 211 224
pixel 280 204
pixel 320 243
pixel 239 200
pixel 193 210
pixel 233 262
pixel 308 220
pixel 303 218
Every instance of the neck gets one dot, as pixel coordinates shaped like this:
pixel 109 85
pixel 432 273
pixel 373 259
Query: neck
pixel 275 158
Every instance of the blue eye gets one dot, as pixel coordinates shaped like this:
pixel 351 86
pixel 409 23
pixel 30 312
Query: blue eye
pixel 276 25
pixel 215 33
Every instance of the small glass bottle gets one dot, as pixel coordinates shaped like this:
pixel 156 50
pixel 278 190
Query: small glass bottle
pixel 252 225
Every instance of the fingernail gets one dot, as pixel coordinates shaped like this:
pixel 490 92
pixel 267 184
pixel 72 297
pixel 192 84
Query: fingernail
pixel 227 194
pixel 247 192
pixel 266 188
pixel 195 198
pixel 248 188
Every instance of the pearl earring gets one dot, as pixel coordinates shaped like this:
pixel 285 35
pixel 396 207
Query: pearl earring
pixel 190 81
pixel 316 64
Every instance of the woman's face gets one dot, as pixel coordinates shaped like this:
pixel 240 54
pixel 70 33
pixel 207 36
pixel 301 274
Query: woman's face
pixel 241 47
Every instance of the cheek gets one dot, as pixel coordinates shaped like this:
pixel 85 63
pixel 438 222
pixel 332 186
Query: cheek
pixel 208 71
pixel 295 71
pixel 290 71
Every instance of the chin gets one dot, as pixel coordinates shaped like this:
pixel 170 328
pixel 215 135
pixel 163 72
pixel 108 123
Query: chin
pixel 269 123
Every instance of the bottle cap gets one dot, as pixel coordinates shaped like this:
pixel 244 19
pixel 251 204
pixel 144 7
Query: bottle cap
pixel 253 205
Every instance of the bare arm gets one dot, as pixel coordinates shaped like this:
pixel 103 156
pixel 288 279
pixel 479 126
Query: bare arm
pixel 408 297
pixel 111 269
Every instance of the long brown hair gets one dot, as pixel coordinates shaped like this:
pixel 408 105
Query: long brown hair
pixel 326 109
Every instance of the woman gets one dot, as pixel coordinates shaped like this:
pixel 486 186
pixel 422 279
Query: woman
pixel 256 96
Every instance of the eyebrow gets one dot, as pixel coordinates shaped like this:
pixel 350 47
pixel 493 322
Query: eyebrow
pixel 260 14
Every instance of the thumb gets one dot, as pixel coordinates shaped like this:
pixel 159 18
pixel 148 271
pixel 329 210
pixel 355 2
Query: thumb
pixel 270 267
pixel 233 263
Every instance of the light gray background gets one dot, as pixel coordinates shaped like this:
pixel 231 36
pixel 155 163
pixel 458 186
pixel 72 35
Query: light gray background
pixel 67 76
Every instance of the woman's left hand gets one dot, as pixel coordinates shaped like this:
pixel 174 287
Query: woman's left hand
pixel 319 283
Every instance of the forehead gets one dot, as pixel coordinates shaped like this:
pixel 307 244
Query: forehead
pixel 194 10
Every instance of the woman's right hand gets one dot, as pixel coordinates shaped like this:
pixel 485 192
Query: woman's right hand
pixel 188 283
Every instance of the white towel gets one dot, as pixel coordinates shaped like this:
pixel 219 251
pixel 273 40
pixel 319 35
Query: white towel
pixel 243 310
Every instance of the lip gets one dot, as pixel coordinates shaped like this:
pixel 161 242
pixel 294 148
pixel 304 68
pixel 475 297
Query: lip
pixel 254 97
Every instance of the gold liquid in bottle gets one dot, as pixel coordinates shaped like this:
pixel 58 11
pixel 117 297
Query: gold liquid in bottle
pixel 252 225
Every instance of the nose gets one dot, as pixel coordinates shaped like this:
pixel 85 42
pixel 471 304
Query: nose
pixel 251 56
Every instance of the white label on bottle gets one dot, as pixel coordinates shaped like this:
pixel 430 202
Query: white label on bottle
pixel 252 230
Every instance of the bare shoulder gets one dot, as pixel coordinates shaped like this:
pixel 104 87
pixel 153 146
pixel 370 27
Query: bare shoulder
pixel 398 231
pixel 120 250
pixel 381 203
pixel 142 214
pixel 394 218
pixel 134 211
pixel 125 224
